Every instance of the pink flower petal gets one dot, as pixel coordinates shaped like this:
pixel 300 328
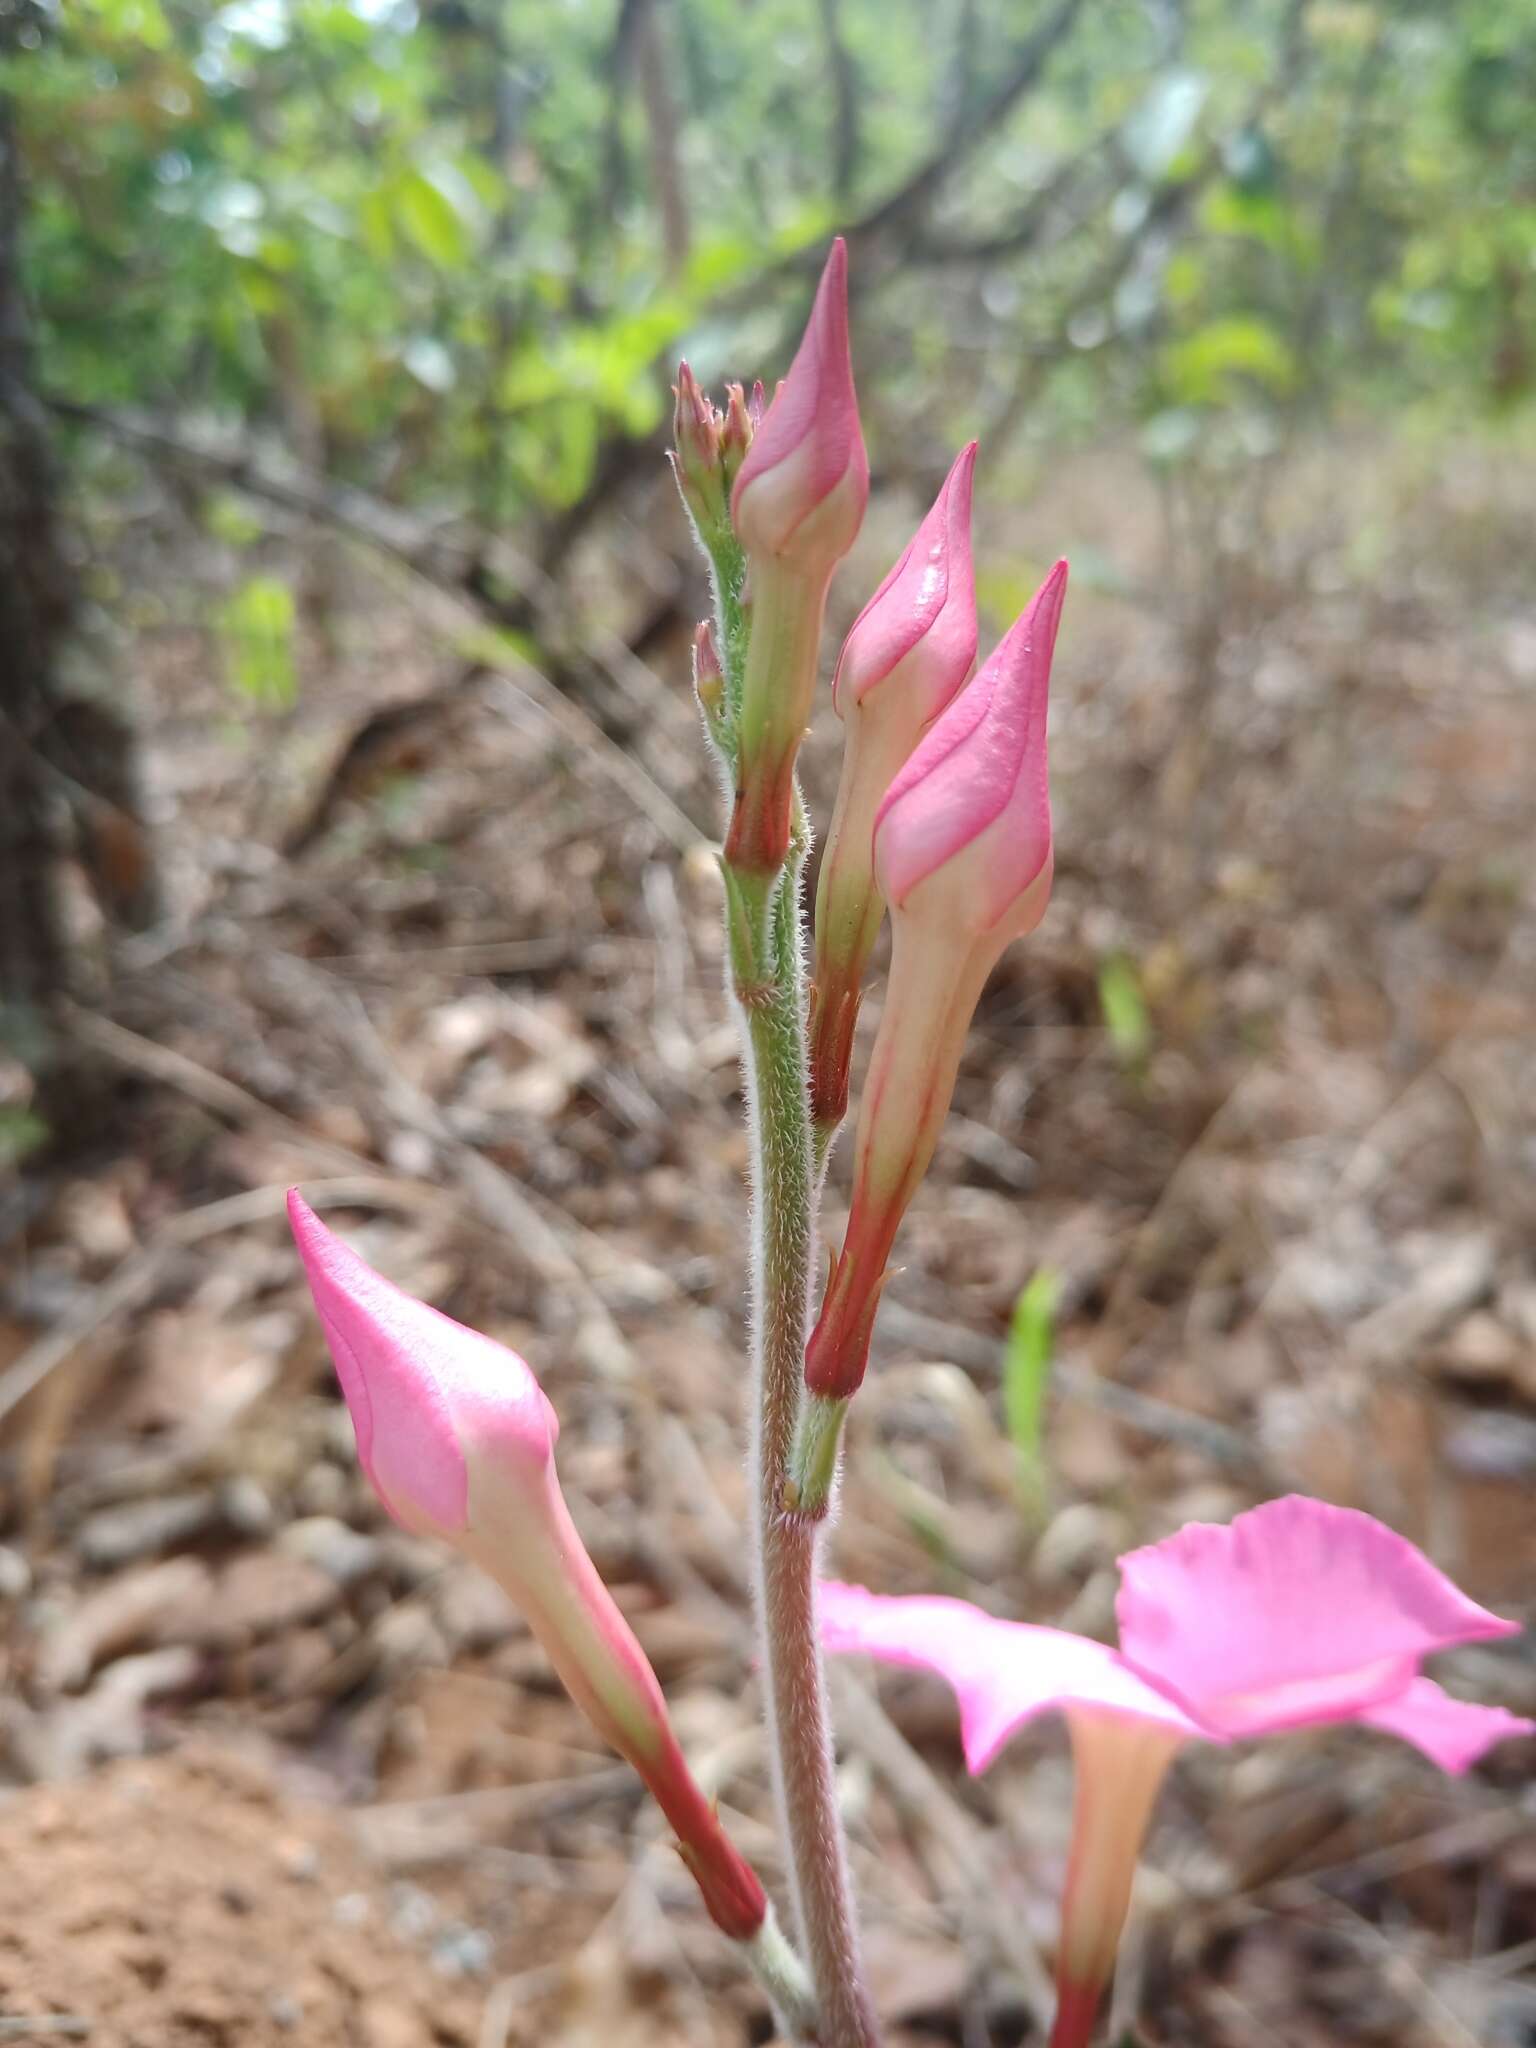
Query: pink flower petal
pixel 421 1387
pixel 1296 1612
pixel 928 598
pixel 1003 1673
pixel 1452 1733
pixel 810 438
pixel 977 786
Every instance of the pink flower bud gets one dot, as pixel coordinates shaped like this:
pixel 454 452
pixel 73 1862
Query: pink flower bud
pixel 917 635
pixel 909 652
pixel 965 829
pixel 709 688
pixel 458 1440
pixel 796 506
pixel 736 434
pixel 426 1395
pixel 697 461
pixel 695 422
pixel 708 675
pixel 962 853
pixel 801 491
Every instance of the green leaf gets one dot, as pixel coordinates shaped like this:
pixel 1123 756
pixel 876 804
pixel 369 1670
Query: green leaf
pixel 611 361
pixel 428 217
pixel 228 517
pixel 1026 1377
pixel 376 220
pixel 914 1503
pixel 1205 368
pixel 21 1133
pixel 499 647
pixel 1261 215
pixel 256 625
pixel 1250 161
pixel 1125 1009
pixel 135 21
pixel 556 449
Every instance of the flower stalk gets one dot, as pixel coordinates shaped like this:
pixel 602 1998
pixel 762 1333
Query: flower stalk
pixel 772 1014
pixel 786 607
pixel 796 499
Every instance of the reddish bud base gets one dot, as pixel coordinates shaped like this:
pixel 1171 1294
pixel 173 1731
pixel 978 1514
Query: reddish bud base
pixel 834 1014
pixel 838 1353
pixel 758 840
pixel 1077 2007
pixel 732 1896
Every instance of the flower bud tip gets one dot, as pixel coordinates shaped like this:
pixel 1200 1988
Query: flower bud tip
pixel 708 675
pixel 973 803
pixel 735 433
pixel 425 1393
pixel 801 491
pixel 922 618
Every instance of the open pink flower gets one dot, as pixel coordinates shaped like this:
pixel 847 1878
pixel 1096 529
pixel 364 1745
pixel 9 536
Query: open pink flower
pixel 909 652
pixel 458 1441
pixel 801 491
pixel 1294 1614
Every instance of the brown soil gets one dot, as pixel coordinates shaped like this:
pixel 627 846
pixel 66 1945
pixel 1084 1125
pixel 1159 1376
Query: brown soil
pixel 184 1902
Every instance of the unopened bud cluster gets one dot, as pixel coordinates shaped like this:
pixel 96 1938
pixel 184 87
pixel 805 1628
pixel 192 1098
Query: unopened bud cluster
pixel 711 446
pixel 942 814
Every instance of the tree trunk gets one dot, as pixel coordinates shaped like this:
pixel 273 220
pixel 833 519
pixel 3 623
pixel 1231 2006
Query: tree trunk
pixel 68 770
pixel 36 608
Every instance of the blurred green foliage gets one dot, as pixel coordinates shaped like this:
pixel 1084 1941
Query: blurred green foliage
pixel 1026 1379
pixel 21 1134
pixel 1126 1018
pixel 448 247
pixel 256 625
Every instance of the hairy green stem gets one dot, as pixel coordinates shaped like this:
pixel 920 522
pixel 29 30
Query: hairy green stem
pixel 783 1222
pixel 813 1461
pixel 785 1980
